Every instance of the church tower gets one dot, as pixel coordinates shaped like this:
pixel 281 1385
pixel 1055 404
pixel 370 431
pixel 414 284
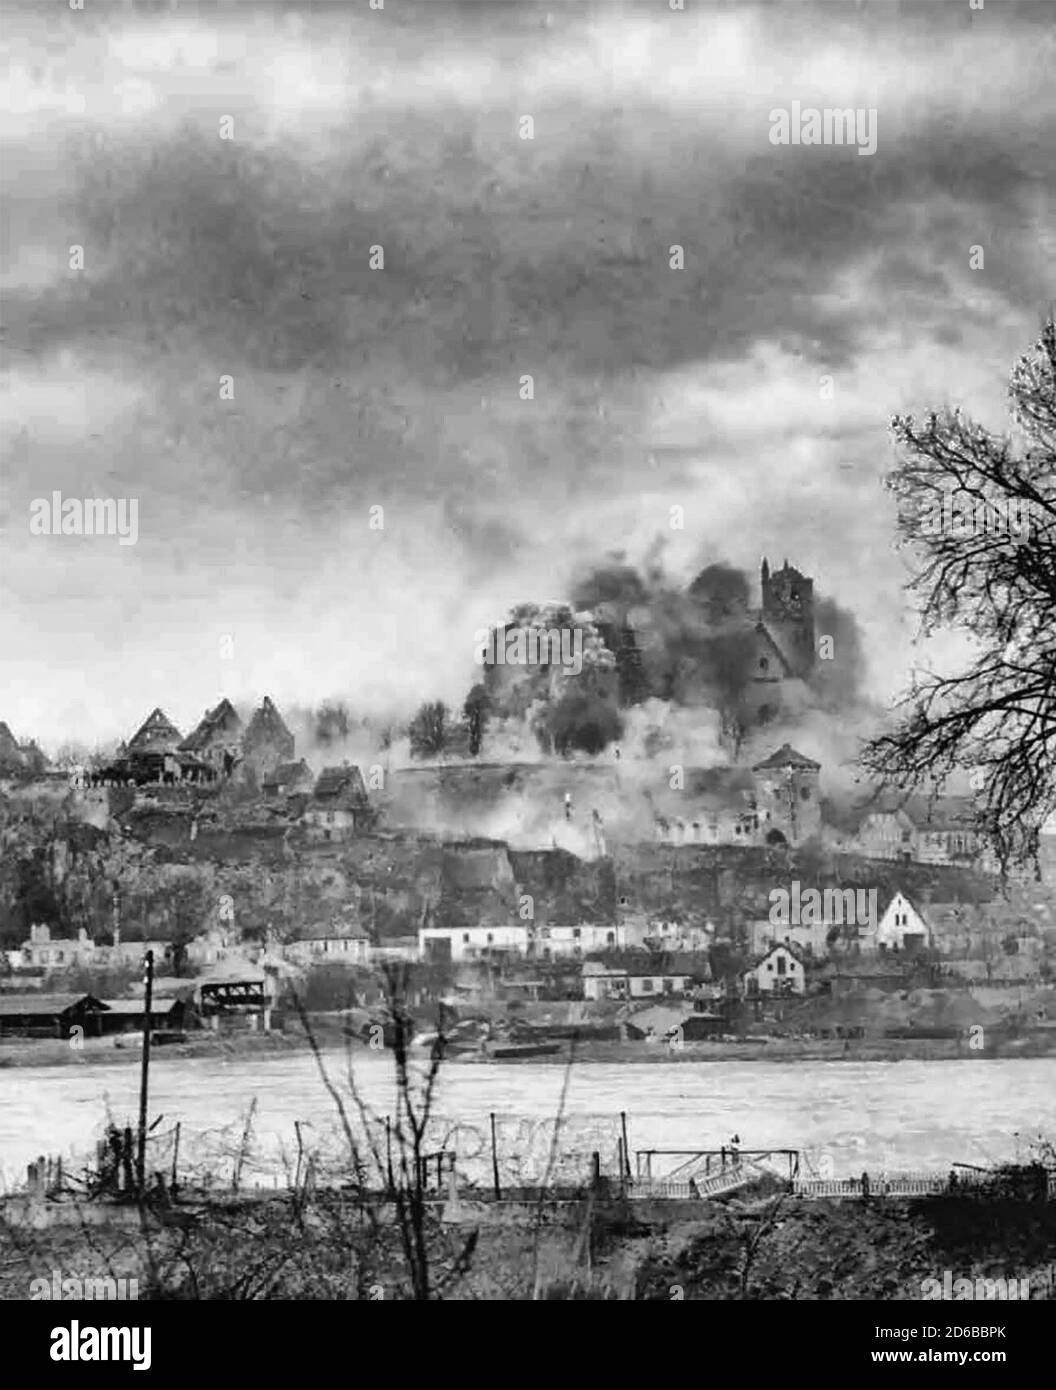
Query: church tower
pixel 788 611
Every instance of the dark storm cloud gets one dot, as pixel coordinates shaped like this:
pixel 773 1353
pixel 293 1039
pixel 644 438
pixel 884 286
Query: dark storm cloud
pixel 503 257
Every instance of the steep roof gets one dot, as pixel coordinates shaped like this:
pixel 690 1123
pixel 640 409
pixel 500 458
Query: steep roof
pixel 287 772
pixel 8 742
pixel 213 721
pixel 267 725
pixel 156 730
pixel 786 756
pixel 341 788
pixel 788 946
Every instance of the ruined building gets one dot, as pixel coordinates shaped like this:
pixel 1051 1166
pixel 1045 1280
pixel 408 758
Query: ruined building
pixel 267 741
pixel 218 738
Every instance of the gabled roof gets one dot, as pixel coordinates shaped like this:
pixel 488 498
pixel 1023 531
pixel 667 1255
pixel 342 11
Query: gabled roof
pixel 156 729
pixel 786 756
pixel 213 721
pixel 898 893
pixel 8 742
pixel 135 1007
pixel 22 1005
pixel 341 788
pixel 792 949
pixel 287 772
pixel 266 725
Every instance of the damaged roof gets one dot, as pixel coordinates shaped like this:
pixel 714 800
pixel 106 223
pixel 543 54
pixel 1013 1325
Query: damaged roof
pixel 341 788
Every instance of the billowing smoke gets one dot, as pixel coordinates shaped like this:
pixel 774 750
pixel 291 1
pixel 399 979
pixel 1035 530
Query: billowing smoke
pixel 670 674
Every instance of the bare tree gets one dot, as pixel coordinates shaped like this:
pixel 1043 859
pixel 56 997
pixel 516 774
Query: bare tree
pixel 981 512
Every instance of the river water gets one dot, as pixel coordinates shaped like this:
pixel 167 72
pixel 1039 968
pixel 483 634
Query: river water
pixel 845 1116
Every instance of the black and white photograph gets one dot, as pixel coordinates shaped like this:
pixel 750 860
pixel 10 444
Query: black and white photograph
pixel 527 668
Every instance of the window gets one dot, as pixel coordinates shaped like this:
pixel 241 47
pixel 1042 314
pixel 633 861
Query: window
pixel 647 986
pixel 465 936
pixel 610 938
pixel 781 965
pixel 546 933
pixel 576 933
pixel 764 665
pixel 804 793
pixel 770 966
pixel 491 938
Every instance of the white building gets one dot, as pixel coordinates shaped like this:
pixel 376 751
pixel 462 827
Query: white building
pixel 781 971
pixel 550 942
pixel 40 952
pixel 525 939
pixel 330 945
pixel 603 982
pixel 472 943
pixel 900 928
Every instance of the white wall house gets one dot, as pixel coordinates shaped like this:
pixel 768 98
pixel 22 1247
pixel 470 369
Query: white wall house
pixel 900 928
pixel 551 941
pixel 678 936
pixel 656 986
pixel 601 982
pixel 781 971
pixel 472 943
pixel 40 952
pixel 330 946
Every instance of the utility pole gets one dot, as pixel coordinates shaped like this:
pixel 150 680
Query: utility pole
pixel 141 1156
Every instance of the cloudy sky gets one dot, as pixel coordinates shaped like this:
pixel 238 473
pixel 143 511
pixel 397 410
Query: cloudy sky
pixel 256 568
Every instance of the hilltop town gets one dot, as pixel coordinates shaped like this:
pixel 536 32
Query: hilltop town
pixel 624 896
pixel 250 874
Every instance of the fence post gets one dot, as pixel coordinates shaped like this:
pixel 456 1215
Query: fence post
pixel 495 1160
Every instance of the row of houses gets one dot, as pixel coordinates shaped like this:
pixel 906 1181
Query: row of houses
pixel 902 928
pixel 219 745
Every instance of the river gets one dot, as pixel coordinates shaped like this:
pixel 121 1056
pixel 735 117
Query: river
pixel 845 1116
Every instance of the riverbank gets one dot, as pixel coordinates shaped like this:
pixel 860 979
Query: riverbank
pixel 58 1053
pixel 330 1246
